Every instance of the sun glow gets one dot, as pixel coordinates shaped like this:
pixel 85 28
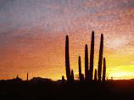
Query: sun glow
pixel 121 74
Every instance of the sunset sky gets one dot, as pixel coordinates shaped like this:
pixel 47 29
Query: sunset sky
pixel 32 36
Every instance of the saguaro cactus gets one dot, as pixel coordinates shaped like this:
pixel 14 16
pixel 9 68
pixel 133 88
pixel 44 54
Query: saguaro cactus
pixel 67 63
pixel 104 69
pixel 100 58
pixel 91 56
pixel 79 64
pixel 86 63
pixel 95 75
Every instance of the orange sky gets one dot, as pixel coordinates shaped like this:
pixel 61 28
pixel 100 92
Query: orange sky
pixel 32 36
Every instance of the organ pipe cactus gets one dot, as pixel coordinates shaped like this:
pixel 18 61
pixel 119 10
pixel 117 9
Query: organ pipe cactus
pixel 104 69
pixel 91 56
pixel 100 58
pixel 72 76
pixel 79 64
pixel 27 76
pixel 95 75
pixel 86 63
pixel 67 63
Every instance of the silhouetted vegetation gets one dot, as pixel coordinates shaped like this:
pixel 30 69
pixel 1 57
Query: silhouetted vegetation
pixel 104 69
pixel 86 63
pixel 92 56
pixel 63 80
pixel 27 76
pixel 67 58
pixel 72 76
pixel 70 89
pixel 100 58
pixel 79 64
pixel 95 75
pixel 44 89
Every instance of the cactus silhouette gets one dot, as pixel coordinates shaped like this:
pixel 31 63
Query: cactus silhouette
pixel 86 63
pixel 82 77
pixel 27 76
pixel 63 80
pixel 95 75
pixel 89 72
pixel 72 76
pixel 92 56
pixel 67 63
pixel 104 69
pixel 100 58
pixel 79 64
pixel 17 76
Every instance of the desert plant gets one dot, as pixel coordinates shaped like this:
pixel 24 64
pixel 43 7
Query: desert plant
pixel 100 58
pixel 72 76
pixel 63 80
pixel 67 63
pixel 104 69
pixel 79 64
pixel 27 76
pixel 91 56
pixel 95 75
pixel 86 63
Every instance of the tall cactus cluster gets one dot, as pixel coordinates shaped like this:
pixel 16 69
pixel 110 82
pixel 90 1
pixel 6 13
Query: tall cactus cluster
pixel 88 72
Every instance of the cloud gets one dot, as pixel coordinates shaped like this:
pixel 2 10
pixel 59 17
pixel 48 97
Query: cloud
pixel 4 4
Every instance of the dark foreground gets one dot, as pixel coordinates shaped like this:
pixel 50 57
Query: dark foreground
pixel 45 89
